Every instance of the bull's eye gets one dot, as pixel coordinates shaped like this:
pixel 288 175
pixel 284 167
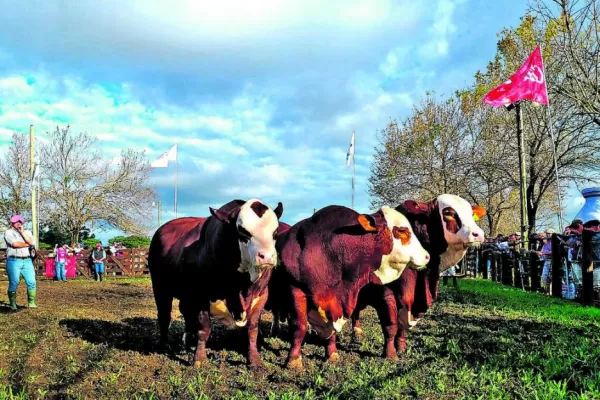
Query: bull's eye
pixel 449 214
pixel 243 234
pixel 275 235
pixel 402 234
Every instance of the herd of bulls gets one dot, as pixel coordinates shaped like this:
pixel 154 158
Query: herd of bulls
pixel 321 271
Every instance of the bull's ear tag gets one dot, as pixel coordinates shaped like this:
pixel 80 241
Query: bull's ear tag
pixel 478 212
pixel 367 222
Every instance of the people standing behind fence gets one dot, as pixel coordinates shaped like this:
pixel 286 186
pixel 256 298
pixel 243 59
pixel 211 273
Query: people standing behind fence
pixel 546 255
pixel 60 261
pixel 18 261
pixel 98 258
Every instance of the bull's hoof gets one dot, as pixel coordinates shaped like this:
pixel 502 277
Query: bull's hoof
pixel 255 362
pixel 200 363
pixel 334 357
pixel 390 355
pixel 296 364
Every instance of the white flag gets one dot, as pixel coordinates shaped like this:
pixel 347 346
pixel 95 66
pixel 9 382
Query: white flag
pixel 350 151
pixel 163 160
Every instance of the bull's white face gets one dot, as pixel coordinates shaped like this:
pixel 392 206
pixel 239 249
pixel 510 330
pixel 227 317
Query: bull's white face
pixel 257 230
pixel 407 250
pixel 460 229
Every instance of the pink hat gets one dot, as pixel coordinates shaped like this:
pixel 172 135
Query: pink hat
pixel 16 218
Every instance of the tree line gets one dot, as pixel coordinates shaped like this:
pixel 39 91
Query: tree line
pixel 80 186
pixel 456 144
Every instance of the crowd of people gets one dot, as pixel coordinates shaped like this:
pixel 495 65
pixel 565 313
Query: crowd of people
pixel 541 244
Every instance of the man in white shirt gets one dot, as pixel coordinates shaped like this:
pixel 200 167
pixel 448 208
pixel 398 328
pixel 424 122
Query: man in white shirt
pixel 18 261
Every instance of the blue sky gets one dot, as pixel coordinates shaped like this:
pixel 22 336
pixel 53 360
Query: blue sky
pixel 261 100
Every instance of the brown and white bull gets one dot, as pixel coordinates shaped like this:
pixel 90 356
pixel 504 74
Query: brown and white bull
pixel 445 227
pixel 325 261
pixel 218 266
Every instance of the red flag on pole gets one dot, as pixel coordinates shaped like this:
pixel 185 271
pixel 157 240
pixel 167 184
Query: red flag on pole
pixel 528 83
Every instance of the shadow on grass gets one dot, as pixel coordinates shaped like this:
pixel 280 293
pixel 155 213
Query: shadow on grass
pixel 131 334
pixel 141 335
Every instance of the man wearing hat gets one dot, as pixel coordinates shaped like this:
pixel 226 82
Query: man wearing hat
pixel 18 261
pixel 98 257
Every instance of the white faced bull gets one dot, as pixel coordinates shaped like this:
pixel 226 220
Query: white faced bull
pixel 406 251
pixel 256 226
pixel 460 229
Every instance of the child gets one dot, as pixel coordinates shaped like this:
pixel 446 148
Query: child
pixel 60 261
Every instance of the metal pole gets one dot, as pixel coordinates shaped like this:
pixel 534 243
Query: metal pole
pixel 523 174
pixel 176 168
pixel 159 205
pixel 34 223
pixel 353 167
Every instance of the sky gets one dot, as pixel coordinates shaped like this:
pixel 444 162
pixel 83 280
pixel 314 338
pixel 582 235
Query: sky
pixel 261 99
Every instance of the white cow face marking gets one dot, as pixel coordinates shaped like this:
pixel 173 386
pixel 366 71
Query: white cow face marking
pixel 257 231
pixel 460 229
pixel 407 249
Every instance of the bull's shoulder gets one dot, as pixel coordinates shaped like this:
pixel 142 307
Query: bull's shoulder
pixel 177 234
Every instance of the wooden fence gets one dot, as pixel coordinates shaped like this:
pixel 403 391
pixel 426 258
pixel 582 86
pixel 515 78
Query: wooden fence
pixel 128 263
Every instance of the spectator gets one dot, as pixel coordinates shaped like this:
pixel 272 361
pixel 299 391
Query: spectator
pixel 546 255
pixel 98 257
pixel 18 261
pixel 62 253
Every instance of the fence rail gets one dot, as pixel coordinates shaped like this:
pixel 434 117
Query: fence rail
pixel 125 264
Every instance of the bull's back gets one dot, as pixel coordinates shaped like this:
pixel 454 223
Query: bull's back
pixel 169 242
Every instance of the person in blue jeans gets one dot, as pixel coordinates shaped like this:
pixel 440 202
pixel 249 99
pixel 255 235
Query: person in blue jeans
pixel 98 257
pixel 60 261
pixel 18 261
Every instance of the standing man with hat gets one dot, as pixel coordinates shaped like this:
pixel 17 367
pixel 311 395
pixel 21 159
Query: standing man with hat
pixel 98 257
pixel 18 261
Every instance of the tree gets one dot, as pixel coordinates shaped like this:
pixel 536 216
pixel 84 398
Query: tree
pixel 445 146
pixel 420 157
pixel 576 39
pixel 82 185
pixel 463 147
pixel 576 138
pixel 15 191
pixel 52 234
pixel 131 242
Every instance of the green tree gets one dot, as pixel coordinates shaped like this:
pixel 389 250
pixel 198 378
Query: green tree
pixel 134 241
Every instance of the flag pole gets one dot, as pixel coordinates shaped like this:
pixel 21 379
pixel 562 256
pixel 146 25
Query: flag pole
pixel 353 166
pixel 34 202
pixel 176 168
pixel 549 120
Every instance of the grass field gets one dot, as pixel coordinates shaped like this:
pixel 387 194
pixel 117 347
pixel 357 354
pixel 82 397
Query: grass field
pixel 483 340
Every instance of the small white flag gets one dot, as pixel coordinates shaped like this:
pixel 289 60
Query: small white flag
pixel 163 160
pixel 350 151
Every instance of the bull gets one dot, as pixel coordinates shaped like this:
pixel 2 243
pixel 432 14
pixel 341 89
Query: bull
pixel 217 266
pixel 325 261
pixel 446 227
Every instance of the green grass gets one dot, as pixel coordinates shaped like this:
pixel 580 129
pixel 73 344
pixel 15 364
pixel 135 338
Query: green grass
pixel 481 341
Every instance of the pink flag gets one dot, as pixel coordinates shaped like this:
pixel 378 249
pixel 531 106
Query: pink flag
pixel 528 83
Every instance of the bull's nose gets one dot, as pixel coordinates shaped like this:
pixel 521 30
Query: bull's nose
pixel 264 257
